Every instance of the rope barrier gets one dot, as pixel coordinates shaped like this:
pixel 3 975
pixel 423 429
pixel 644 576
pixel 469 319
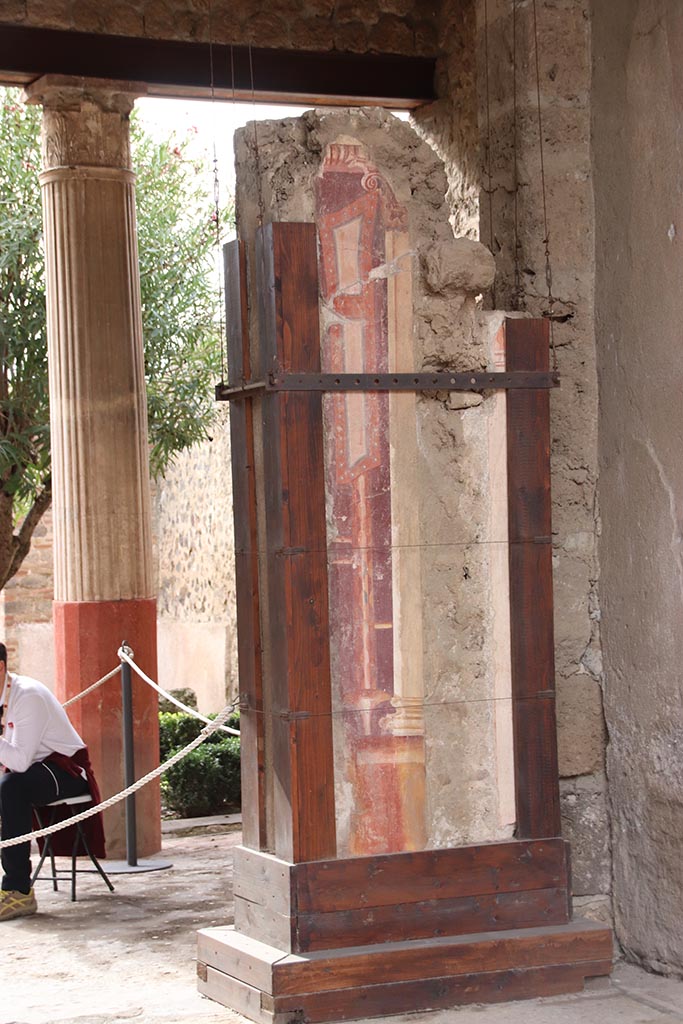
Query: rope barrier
pixel 84 693
pixel 98 808
pixel 211 726
pixel 122 653
pixel 124 656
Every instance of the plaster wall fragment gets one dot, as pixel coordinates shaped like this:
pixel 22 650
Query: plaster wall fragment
pixel 442 530
pixel 638 259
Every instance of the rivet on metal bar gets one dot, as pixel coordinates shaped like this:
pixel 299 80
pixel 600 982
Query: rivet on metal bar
pixel 475 380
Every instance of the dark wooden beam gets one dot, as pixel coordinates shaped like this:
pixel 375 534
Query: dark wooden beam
pixel 175 68
pixel 361 901
pixel 531 587
pixel 399 977
pixel 298 684
pixel 246 555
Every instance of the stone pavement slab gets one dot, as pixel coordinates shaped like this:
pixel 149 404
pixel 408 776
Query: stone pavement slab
pixel 126 956
pixel 129 956
pixel 610 1004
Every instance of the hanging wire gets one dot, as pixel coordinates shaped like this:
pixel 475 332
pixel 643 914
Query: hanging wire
pixel 345 713
pixel 517 290
pixel 546 233
pixel 217 201
pixel 488 141
pixel 261 205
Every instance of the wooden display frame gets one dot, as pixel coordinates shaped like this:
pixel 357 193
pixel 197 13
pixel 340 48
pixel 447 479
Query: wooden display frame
pixel 298 904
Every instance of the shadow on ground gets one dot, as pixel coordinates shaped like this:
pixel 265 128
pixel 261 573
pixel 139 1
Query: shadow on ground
pixel 127 955
pixel 130 955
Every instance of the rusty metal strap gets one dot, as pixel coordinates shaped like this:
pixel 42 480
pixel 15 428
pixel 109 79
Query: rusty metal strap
pixel 441 381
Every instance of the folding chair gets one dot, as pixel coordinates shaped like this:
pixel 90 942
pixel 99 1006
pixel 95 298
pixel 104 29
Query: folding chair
pixel 80 842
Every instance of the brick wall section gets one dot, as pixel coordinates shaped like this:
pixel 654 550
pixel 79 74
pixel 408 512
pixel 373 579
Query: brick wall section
pixel 27 598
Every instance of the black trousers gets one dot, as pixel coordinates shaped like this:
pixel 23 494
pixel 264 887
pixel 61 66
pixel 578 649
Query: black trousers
pixel 20 792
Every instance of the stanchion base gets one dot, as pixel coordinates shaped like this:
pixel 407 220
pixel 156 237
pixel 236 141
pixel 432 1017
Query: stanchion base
pixel 122 867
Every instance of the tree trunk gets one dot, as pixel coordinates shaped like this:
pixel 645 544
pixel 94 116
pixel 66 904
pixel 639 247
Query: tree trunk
pixel 6 537
pixel 14 547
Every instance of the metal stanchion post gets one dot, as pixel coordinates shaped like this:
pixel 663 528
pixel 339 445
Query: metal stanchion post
pixel 132 865
pixel 128 757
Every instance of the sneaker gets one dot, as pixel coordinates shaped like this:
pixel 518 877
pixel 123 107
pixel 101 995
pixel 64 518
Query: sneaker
pixel 16 904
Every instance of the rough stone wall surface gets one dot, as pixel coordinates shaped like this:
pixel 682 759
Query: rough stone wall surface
pixel 194 533
pixel 194 554
pixel 494 165
pixel 27 602
pixel 450 124
pixel 637 117
pixel 392 26
pixel 277 167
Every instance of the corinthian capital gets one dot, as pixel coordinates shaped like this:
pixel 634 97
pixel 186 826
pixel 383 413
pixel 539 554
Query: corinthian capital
pixel 85 120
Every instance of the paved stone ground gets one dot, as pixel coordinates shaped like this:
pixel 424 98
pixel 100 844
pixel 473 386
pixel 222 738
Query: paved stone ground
pixel 130 956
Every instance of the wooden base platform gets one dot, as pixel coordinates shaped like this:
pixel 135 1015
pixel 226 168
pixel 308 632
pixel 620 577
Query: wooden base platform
pixel 269 985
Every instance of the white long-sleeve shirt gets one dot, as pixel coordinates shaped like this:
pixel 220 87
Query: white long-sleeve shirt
pixel 34 725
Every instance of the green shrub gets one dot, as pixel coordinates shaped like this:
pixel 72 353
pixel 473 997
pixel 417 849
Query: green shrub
pixel 177 729
pixel 207 780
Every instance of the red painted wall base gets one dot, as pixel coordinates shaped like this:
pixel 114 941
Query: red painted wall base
pixel 87 637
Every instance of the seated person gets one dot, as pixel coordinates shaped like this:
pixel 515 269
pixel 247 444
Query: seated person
pixel 44 758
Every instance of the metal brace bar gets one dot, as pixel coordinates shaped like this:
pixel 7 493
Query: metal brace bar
pixel 475 380
pixel 228 393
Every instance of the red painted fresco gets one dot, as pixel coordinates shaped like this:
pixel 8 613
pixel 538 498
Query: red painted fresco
pixel 355 209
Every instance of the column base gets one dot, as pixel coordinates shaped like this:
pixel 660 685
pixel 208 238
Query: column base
pixel 87 636
pixel 272 987
pixel 394 933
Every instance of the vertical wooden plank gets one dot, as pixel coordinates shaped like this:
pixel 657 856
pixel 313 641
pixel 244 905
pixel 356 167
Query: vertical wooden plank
pixel 298 621
pixel 531 594
pixel 246 560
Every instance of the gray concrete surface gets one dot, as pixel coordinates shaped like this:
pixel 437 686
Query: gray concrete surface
pixel 130 956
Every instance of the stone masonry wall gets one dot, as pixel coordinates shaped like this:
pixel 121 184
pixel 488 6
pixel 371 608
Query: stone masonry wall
pixel 638 113
pixel 194 555
pixel 27 603
pixel 560 42
pixel 390 26
pixel 494 165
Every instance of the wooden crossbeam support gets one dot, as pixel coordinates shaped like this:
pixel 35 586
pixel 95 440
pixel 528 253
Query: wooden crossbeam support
pixel 531 587
pixel 334 904
pixel 323 939
pixel 178 68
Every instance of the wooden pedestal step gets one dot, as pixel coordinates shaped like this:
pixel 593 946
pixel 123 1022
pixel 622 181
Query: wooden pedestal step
pixel 267 985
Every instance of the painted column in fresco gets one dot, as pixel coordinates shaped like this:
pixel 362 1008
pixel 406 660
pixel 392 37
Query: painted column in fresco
pixel 375 607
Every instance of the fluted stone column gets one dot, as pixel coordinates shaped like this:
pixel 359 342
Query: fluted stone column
pixel 104 590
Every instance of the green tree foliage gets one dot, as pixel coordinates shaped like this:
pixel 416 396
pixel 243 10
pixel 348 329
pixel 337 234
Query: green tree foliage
pixel 178 282
pixel 24 414
pixel 176 241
